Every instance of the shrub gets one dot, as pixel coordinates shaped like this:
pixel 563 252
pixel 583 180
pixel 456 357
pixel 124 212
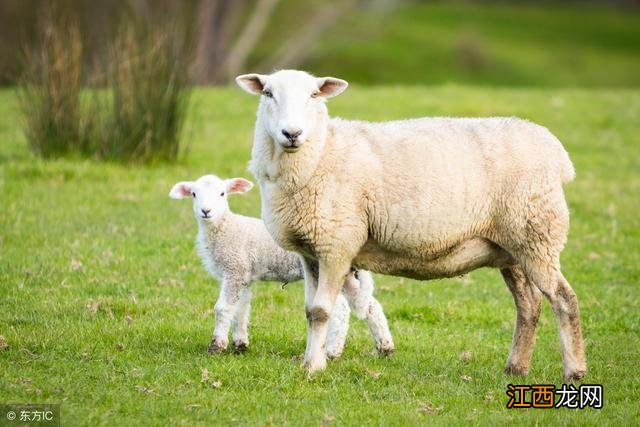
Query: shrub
pixel 148 78
pixel 50 93
pixel 138 118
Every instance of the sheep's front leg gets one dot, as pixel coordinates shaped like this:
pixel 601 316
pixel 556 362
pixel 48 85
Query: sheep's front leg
pixel 330 280
pixel 240 323
pixel 310 269
pixel 225 309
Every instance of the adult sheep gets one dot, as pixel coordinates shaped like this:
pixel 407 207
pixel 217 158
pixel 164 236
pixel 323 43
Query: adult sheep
pixel 423 198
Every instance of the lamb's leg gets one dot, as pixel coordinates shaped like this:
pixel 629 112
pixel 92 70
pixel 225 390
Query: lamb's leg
pixel 358 289
pixel 241 321
pixel 527 299
pixel 225 309
pixel 565 307
pixel 330 280
pixel 338 328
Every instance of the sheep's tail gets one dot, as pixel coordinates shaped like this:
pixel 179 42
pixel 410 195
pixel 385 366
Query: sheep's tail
pixel 567 171
pixel 564 166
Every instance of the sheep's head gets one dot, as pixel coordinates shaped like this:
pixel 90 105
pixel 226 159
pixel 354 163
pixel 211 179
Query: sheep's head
pixel 291 102
pixel 209 194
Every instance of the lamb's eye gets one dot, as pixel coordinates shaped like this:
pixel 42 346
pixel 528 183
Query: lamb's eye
pixel 193 193
pixel 222 194
pixel 267 93
pixel 315 94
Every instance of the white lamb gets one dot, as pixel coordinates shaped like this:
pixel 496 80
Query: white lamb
pixel 239 251
pixel 422 198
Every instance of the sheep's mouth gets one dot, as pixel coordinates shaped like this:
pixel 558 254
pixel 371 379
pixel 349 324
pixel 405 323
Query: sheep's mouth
pixel 291 148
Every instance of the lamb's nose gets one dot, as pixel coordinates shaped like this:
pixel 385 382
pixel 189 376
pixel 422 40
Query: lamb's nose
pixel 206 211
pixel 292 134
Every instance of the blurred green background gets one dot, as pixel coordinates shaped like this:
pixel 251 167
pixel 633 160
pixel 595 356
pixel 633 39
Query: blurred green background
pixel 525 43
pixel 104 306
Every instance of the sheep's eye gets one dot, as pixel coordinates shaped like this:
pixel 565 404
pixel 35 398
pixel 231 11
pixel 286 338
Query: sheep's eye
pixel 193 193
pixel 267 93
pixel 315 94
pixel 222 194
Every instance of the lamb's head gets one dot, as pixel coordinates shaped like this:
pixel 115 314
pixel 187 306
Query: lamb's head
pixel 291 104
pixel 209 194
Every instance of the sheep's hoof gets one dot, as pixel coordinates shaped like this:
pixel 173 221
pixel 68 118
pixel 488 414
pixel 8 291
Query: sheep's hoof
pixel 575 375
pixel 516 370
pixel 386 350
pixel 312 366
pixel 216 347
pixel 239 347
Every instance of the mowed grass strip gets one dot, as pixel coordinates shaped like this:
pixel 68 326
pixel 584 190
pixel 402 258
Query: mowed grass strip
pixel 104 306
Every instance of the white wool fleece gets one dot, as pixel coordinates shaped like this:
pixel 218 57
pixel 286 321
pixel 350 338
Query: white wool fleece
pixel 422 198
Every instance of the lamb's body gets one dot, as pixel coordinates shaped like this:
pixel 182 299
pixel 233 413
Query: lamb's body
pixel 423 198
pixel 241 247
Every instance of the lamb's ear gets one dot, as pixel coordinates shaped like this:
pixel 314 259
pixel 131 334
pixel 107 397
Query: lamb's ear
pixel 181 190
pixel 252 83
pixel 330 86
pixel 238 185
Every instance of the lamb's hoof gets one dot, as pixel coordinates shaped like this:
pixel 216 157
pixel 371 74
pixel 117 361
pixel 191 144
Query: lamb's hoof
pixel 576 375
pixel 239 347
pixel 216 347
pixel 516 370
pixel 386 350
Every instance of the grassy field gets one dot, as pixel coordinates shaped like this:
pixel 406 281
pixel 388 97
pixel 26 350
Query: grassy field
pixel 431 42
pixel 105 309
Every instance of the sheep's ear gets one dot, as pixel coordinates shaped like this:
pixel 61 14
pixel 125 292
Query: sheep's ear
pixel 181 190
pixel 330 86
pixel 252 83
pixel 238 185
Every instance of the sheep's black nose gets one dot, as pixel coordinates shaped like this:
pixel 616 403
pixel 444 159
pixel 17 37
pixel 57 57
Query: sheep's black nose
pixel 292 134
pixel 205 211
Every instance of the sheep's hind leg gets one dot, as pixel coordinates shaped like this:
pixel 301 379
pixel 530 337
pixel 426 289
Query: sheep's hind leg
pixel 537 245
pixel 565 307
pixel 533 229
pixel 527 299
pixel 379 328
pixel 338 328
pixel 240 323
pixel 358 289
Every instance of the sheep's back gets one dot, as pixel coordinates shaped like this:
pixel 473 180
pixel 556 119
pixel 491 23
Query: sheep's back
pixel 441 179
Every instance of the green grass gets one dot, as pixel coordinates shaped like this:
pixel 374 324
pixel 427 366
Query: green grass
pixel 491 44
pixel 105 308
